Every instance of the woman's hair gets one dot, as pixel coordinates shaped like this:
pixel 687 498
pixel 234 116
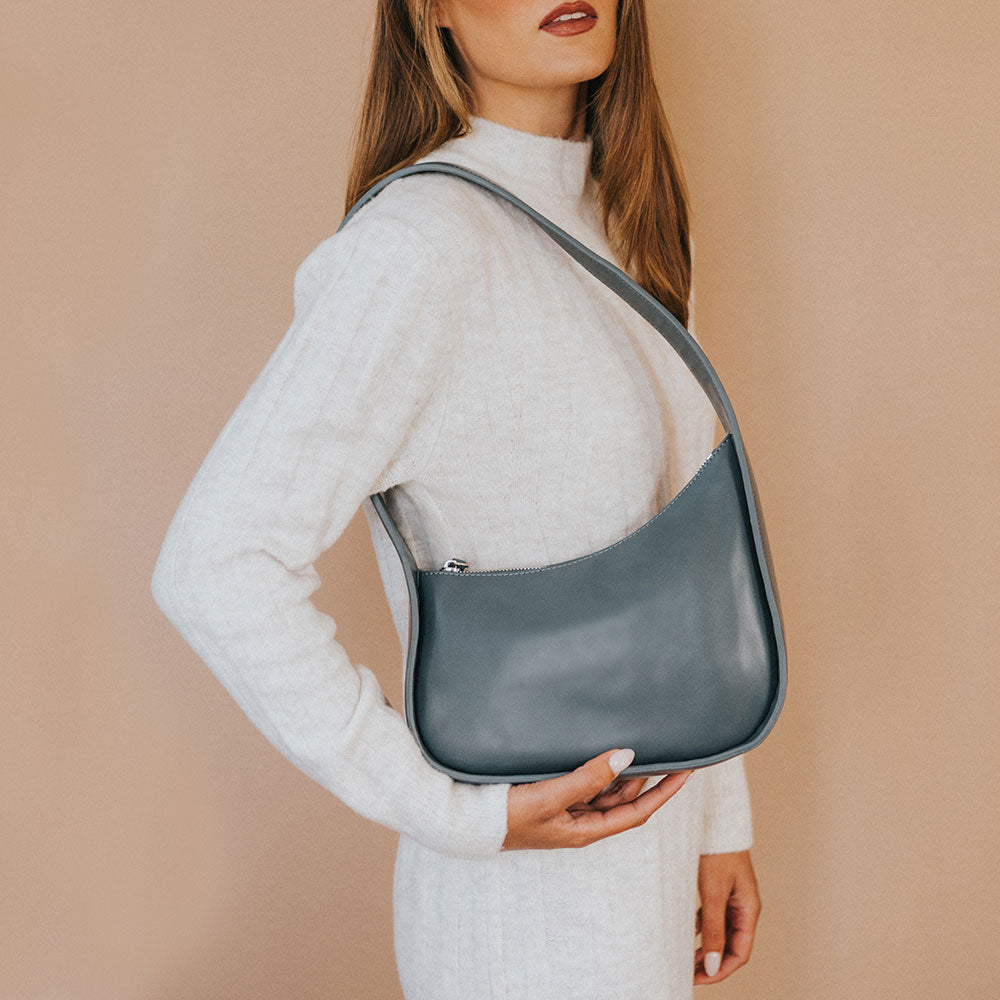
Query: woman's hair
pixel 416 98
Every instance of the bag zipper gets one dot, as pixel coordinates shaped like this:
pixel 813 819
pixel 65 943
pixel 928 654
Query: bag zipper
pixel 456 565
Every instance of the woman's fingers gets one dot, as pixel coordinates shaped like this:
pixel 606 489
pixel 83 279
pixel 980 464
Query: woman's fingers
pixel 739 944
pixel 537 810
pixel 620 790
pixel 587 804
pixel 583 783
pixel 596 824
pixel 742 923
pixel 727 917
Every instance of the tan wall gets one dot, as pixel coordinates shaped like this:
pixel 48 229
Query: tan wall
pixel 165 169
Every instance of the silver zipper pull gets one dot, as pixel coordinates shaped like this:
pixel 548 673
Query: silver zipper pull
pixel 455 566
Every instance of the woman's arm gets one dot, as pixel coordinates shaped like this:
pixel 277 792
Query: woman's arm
pixel 726 821
pixel 331 417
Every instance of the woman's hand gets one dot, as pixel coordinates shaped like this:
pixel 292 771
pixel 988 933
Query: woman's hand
pixel 585 805
pixel 727 917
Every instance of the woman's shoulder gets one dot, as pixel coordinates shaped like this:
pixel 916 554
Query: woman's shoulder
pixel 438 207
pixel 426 222
pixel 419 223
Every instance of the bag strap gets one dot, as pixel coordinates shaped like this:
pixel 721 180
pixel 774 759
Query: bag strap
pixel 650 308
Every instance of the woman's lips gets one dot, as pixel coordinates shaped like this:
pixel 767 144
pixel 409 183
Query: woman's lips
pixel 574 25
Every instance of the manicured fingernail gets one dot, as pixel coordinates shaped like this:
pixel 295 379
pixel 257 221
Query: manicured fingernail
pixel 713 960
pixel 621 759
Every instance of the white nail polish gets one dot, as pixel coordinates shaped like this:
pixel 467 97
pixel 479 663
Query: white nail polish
pixel 621 759
pixel 713 959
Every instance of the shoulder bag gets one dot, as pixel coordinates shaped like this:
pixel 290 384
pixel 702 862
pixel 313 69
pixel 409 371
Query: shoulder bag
pixel 668 641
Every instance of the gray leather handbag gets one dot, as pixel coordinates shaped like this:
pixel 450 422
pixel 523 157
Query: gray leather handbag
pixel 668 641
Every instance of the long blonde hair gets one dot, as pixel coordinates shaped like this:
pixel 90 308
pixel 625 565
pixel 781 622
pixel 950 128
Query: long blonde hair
pixel 416 98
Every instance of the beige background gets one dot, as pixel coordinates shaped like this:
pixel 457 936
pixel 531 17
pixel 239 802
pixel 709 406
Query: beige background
pixel 165 168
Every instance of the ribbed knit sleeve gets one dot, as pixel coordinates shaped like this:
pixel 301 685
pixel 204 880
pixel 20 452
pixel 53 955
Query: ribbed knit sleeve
pixel 338 411
pixel 727 822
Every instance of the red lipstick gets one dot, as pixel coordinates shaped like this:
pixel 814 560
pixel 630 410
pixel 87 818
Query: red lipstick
pixel 570 25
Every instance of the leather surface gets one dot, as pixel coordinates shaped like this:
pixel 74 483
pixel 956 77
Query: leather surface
pixel 661 642
pixel 669 641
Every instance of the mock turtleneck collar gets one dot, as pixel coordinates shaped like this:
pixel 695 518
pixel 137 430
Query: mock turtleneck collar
pixel 549 173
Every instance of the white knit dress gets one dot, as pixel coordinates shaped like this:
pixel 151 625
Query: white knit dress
pixel 445 347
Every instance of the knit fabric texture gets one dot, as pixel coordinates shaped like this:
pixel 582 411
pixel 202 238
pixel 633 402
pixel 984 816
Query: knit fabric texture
pixel 517 413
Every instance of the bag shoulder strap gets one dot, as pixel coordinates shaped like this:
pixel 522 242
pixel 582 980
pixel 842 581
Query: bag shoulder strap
pixel 650 308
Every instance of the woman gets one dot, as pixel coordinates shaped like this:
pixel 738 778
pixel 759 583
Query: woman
pixel 445 350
